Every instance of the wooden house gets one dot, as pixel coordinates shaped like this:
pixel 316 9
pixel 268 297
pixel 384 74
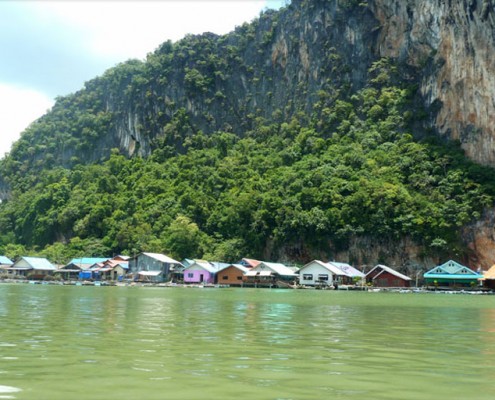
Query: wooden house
pixel 488 279
pixel 5 262
pixel 383 276
pixel 232 275
pixel 113 269
pixel 32 268
pixel 268 274
pixel 153 267
pixel 452 274
pixel 319 273
pixel 200 271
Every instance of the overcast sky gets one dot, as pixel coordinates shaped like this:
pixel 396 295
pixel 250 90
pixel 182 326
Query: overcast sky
pixel 50 48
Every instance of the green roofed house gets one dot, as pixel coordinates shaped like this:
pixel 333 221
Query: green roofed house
pixel 451 274
pixel 32 267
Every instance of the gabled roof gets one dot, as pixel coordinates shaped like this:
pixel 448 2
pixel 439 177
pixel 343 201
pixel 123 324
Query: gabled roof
pixel 240 267
pixel 37 263
pixel 86 261
pixel 452 269
pixel 490 274
pixel 384 268
pixel 278 268
pixel 249 262
pixel 348 269
pixel 162 258
pixel 206 265
pixel 5 261
pixel 328 266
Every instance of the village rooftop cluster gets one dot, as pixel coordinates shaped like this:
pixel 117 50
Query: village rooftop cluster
pixel 161 269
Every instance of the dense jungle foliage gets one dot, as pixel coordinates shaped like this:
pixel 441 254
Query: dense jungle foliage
pixel 234 159
pixel 350 169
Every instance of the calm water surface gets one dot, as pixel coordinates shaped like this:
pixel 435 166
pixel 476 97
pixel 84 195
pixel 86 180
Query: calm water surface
pixel 177 343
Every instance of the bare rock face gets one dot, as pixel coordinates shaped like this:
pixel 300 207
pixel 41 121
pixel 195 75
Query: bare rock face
pixel 454 43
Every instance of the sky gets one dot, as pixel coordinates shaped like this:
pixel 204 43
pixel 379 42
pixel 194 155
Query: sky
pixel 50 48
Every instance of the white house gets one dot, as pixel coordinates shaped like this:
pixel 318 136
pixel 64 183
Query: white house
pixel 317 273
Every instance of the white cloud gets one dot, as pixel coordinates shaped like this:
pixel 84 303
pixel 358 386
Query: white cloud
pixel 128 29
pixel 19 107
pixel 53 47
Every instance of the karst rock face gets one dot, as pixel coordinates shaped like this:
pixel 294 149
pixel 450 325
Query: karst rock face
pixel 278 65
pixel 453 44
pixel 311 46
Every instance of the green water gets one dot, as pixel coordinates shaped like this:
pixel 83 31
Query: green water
pixel 176 343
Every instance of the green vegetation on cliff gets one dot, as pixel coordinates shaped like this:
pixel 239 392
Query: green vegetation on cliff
pixel 204 151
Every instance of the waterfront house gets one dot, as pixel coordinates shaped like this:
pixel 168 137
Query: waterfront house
pixel 232 275
pixel 452 274
pixel 352 275
pixel 32 267
pixel 319 273
pixel 113 269
pixel 5 262
pixel 153 267
pixel 79 268
pixel 383 276
pixel 268 274
pixel 200 271
pixel 488 279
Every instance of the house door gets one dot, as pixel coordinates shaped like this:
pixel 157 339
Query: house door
pixel 201 278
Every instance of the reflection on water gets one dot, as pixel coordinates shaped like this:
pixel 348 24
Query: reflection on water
pixel 175 343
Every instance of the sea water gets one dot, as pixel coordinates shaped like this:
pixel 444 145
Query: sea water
pixel 76 342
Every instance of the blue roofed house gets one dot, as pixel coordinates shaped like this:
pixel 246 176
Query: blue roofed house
pixel 5 261
pixel 32 267
pixel 79 268
pixel 452 274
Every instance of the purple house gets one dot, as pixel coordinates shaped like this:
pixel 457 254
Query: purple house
pixel 200 271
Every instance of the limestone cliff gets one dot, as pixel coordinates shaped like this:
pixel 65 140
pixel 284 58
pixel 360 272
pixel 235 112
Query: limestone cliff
pixel 453 44
pixel 283 64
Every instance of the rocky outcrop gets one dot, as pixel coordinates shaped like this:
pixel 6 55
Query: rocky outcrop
pixel 452 43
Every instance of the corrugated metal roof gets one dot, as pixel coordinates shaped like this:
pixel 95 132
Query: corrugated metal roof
pixel 251 262
pixel 334 270
pixel 389 270
pixel 206 265
pixel 87 260
pixel 349 270
pixel 39 263
pixel 279 268
pixel 5 260
pixel 162 258
pixel 449 269
pixel 490 274
pixel 240 267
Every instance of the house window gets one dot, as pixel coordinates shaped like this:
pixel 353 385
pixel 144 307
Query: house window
pixel 239 278
pixel 190 275
pixel 323 277
pixel 307 277
pixel 225 277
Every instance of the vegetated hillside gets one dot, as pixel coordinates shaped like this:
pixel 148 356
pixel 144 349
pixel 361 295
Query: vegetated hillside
pixel 288 139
